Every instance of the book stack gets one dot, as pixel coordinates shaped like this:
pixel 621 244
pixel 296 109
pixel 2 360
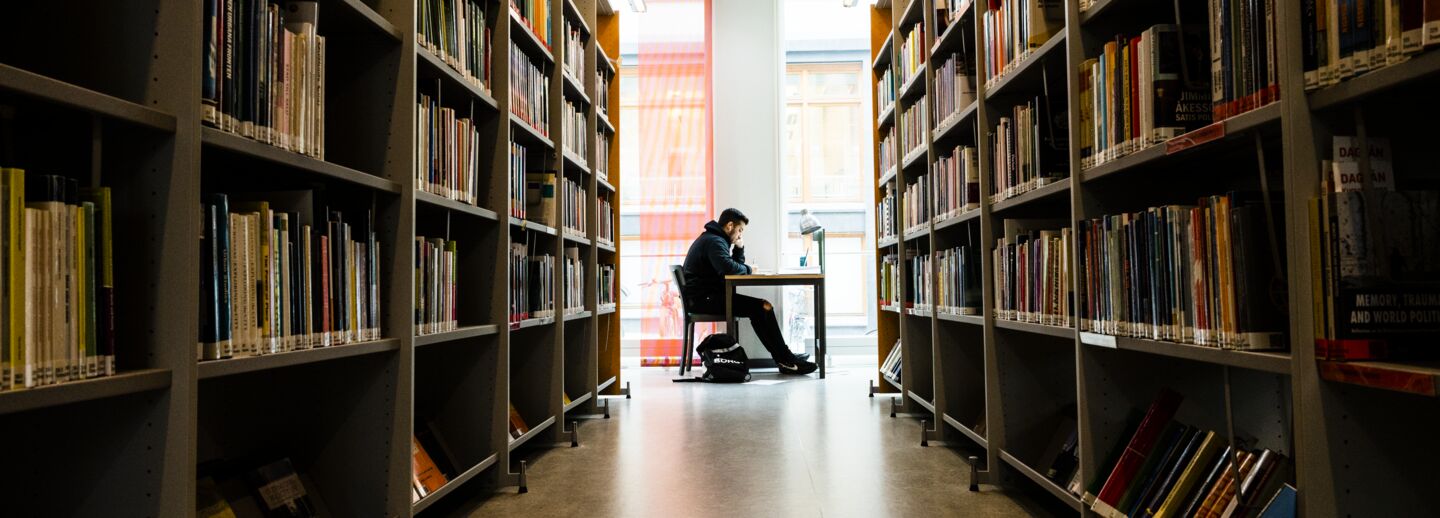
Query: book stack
pixel 273 279
pixel 572 200
pixel 918 203
pixel 957 272
pixel 263 73
pixel 1244 69
pixel 912 127
pixel 574 53
pixel 1345 38
pixel 1028 154
pixel 890 368
pixel 606 288
pixel 912 53
pixel 1374 260
pixel 1141 91
pixel 57 296
pixel 1032 275
pixel 575 131
pixel 885 213
pixel 890 281
pixel 516 183
pixel 436 296
pixel 887 151
pixel 1012 28
pixel 447 152
pixel 532 284
pixel 602 154
pixel 954 89
pixel 574 281
pixel 885 91
pixel 606 224
pixel 957 177
pixel 922 296
pixel 1168 468
pixel 1198 274
pixel 535 15
pixel 540 195
pixel 529 91
pixel 457 32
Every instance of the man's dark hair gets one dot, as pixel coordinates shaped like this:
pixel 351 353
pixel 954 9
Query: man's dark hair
pixel 730 215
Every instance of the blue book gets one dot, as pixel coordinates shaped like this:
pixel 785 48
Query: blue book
pixel 1283 505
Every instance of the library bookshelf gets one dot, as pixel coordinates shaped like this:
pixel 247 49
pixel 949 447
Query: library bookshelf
pixel 118 105
pixel 1353 431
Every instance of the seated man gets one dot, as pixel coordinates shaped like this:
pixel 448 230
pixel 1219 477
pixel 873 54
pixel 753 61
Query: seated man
pixel 707 263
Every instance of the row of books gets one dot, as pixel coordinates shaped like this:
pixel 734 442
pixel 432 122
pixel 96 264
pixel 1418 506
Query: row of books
pixel 574 53
pixel 957 273
pixel 957 183
pixel 605 230
pixel 574 281
pixel 1345 38
pixel 516 183
pixel 529 91
pixel 889 287
pixel 575 130
pixel 535 14
pixel 1200 274
pixel 1012 28
pixel 1142 91
pixel 602 89
pixel 458 32
pixel 891 367
pixel 574 205
pixel 447 154
pixel 919 295
pixel 885 213
pixel 602 154
pixel 226 489
pixel 274 278
pixel 885 91
pixel 607 288
pixel 540 191
pixel 436 296
pixel 912 127
pixel 912 54
pixel 1168 468
pixel 1032 274
pixel 532 284
pixel 1244 62
pixel 57 296
pixel 954 88
pixel 918 203
pixel 1028 153
pixel 887 150
pixel 263 72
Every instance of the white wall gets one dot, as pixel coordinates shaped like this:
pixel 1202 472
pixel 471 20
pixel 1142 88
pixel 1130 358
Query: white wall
pixel 748 60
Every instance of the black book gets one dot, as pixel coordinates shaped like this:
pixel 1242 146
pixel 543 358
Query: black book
pixel 1163 469
pixel 1174 431
pixel 1176 468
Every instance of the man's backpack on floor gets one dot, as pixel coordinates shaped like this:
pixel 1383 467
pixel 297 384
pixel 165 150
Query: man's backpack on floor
pixel 725 361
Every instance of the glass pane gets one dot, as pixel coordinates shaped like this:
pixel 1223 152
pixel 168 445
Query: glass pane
pixel 840 84
pixel 834 158
pixel 794 160
pixel 792 85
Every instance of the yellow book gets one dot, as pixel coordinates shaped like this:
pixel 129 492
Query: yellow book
pixel 80 353
pixel 13 181
pixel 1209 448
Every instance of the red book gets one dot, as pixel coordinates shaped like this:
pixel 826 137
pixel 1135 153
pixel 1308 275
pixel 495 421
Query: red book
pixel 1161 411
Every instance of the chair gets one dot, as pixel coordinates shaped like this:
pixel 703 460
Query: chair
pixel 691 318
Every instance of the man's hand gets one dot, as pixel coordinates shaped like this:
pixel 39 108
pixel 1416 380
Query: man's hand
pixel 739 242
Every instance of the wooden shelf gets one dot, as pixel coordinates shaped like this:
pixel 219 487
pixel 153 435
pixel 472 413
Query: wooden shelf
pixel 438 66
pixel 913 157
pixel 50 90
pixel 889 175
pixel 1420 67
pixel 1419 378
pixel 886 117
pixel 1049 485
pixel 1096 9
pixel 1039 329
pixel 606 246
pixel 373 19
pixel 1266 361
pixel 928 405
pixel 531 322
pixel 463 333
pixel 604 184
pixel 572 13
pixel 604 59
pixel 524 37
pixel 577 316
pixel 892 382
pixel 918 234
pixel 976 320
pixel 454 483
pixel 1214 136
pixel 951 36
pixel 1025 76
pixel 233 366
pixel 528 133
pixel 574 88
pixel 922 313
pixel 606 384
pixel 605 123
pixel 913 14
pixel 455 206
pixel 217 139
pixel 946 127
pixel 1033 196
pixel 576 402
pixel 958 219
pixel 882 56
pixel 533 433
pixel 891 309
pixel 531 225
pixel 572 237
pixel 606 311
pixel 574 162
pixel 966 431
pixel 915 85
pixel 123 383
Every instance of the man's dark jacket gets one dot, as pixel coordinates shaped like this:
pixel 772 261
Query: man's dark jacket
pixel 709 261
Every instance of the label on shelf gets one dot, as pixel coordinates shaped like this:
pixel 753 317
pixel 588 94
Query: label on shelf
pixel 1097 339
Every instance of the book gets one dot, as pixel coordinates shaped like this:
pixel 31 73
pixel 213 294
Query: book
pixel 437 295
pixel 1134 503
pixel 1172 435
pixel 427 478
pixel 1191 477
pixel 1032 280
pixel 1282 505
pixel 1141 445
pixel 1222 465
pixel 517 424
pixel 1011 29
pixel 1059 460
pixel 210 502
pixel 459 34
pixel 1029 152
pixel 529 91
pixel 280 491
pixel 574 281
pixel 447 151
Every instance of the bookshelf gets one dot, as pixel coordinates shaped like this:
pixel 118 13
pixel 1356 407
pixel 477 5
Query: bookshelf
pixel 1353 430
pixel 117 106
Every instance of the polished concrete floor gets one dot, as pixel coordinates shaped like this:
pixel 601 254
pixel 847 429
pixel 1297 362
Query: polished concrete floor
pixel 804 447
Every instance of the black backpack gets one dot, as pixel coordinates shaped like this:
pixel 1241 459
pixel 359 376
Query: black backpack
pixel 725 361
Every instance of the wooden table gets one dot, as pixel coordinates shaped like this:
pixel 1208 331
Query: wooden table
pixel 815 280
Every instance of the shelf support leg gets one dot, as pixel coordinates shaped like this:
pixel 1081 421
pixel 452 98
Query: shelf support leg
pixel 523 487
pixel 574 434
pixel 924 433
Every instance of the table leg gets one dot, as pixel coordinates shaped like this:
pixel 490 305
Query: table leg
pixel 730 326
pixel 820 326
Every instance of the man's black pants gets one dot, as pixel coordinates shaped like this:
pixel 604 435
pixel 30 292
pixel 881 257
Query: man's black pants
pixel 762 318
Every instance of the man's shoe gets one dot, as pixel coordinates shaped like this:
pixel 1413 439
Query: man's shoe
pixel 800 367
